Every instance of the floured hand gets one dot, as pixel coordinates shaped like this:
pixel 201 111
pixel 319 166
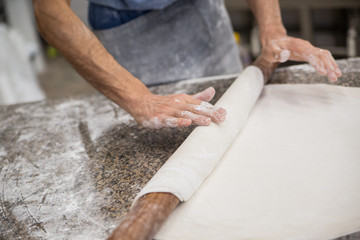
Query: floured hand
pixel 177 110
pixel 282 48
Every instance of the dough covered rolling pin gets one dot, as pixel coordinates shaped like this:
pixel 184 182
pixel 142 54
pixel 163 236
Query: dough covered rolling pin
pixel 193 161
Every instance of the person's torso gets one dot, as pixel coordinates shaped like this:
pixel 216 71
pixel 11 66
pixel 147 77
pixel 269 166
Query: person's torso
pixel 188 39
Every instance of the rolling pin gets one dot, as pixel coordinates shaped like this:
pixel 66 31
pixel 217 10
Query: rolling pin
pixel 145 217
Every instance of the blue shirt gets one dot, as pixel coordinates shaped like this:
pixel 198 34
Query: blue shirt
pixel 104 14
pixel 137 5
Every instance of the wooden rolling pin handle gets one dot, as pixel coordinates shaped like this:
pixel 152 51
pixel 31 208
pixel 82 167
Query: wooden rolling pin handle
pixel 146 217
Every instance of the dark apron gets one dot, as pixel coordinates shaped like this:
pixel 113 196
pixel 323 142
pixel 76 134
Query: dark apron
pixel 188 39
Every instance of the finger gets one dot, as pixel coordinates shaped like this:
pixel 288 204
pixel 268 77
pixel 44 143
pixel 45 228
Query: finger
pixel 203 108
pixel 334 64
pixel 284 56
pixel 317 63
pixel 205 95
pixel 196 106
pixel 206 109
pixel 338 72
pixel 152 123
pixel 276 54
pixel 157 123
pixel 329 65
pixel 184 99
pixel 177 122
pixel 271 53
pixel 196 119
pixel 330 70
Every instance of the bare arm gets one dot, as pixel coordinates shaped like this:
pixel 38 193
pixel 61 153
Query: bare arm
pixel 60 26
pixel 63 29
pixel 278 47
pixel 267 14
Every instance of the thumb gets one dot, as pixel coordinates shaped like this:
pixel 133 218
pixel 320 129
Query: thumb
pixel 283 56
pixel 205 95
pixel 278 55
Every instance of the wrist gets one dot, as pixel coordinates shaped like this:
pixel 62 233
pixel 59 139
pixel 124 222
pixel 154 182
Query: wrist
pixel 123 88
pixel 272 31
pixel 133 101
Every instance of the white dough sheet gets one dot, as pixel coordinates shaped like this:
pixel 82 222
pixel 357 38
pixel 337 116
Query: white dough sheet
pixel 293 172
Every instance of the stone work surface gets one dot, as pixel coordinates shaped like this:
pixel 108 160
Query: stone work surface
pixel 70 168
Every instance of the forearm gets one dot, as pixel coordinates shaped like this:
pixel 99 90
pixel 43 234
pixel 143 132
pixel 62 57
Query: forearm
pixel 60 26
pixel 268 17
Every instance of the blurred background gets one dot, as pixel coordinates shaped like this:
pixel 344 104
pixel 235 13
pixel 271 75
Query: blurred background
pixel 31 70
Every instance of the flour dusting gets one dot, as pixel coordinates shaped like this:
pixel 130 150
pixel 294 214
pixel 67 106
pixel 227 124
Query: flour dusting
pixel 155 123
pixel 2 152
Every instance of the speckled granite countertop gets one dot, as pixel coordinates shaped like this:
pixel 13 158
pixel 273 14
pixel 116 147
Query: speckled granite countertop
pixel 70 168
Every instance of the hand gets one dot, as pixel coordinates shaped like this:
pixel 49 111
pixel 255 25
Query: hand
pixel 177 110
pixel 282 48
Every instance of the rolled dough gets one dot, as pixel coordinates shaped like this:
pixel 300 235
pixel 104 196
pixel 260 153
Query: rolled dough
pixel 196 158
pixel 292 173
